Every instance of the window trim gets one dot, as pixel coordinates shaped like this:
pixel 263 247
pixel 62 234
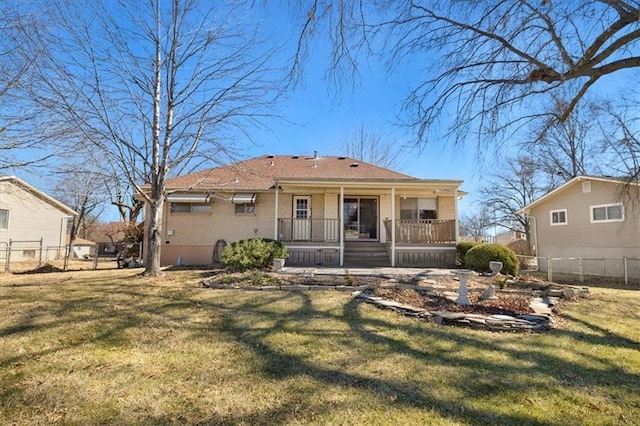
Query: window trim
pixel 5 225
pixel 420 202
pixel 592 208
pixel 191 206
pixel 566 217
pixel 244 207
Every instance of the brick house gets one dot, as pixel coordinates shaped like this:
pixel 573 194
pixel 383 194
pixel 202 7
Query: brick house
pixel 326 210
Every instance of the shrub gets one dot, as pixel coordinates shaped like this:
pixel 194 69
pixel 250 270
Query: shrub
pixel 478 258
pixel 462 249
pixel 254 253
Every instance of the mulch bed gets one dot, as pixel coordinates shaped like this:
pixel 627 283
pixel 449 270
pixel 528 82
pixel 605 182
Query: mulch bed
pixel 506 304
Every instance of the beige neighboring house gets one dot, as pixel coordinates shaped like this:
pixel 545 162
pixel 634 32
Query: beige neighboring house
pixel 29 220
pixel 326 210
pixel 590 218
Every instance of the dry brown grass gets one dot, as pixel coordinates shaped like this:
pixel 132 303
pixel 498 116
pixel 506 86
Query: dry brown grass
pixel 109 347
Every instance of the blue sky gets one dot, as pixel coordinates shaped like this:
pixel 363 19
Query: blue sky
pixel 322 117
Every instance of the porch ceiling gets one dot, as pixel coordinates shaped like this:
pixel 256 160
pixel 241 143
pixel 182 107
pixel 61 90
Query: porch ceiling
pixel 442 186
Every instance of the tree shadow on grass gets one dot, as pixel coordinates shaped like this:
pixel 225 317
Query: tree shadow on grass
pixel 254 319
pixel 278 364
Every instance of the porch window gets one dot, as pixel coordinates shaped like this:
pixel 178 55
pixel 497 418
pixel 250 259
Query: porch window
pixel 418 208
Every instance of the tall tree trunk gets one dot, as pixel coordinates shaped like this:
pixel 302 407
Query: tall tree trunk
pixel 154 236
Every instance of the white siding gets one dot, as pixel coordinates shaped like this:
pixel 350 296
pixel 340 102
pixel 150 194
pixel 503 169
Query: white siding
pixel 30 219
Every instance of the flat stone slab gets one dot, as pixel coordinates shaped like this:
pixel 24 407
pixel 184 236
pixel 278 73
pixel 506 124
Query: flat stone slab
pixel 510 323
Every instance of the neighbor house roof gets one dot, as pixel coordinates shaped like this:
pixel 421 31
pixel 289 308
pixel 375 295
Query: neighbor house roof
pixel 81 242
pixel 577 179
pixel 262 173
pixel 39 194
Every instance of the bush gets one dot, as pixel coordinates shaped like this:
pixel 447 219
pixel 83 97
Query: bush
pixel 462 249
pixel 254 253
pixel 478 258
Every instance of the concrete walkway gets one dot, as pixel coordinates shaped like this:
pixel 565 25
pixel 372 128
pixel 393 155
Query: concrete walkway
pixel 320 270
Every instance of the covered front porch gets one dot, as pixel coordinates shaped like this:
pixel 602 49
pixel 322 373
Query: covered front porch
pixel 407 231
pixel 359 225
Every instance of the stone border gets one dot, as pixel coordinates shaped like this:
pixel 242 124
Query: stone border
pixel 544 296
pixel 517 323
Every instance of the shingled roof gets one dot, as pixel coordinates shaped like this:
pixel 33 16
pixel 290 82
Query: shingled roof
pixel 261 173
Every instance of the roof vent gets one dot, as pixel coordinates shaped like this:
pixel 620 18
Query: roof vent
pixel 295 157
pixel 354 165
pixel 342 158
pixel 269 156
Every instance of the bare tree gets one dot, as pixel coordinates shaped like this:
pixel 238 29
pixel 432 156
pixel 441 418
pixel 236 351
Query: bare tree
pixel 16 59
pixel 78 188
pixel 151 86
pixel 475 224
pixel 564 150
pixel 620 131
pixel 483 67
pixel 369 147
pixel 510 190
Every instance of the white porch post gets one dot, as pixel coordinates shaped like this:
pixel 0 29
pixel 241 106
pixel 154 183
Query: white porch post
pixel 455 209
pixel 341 224
pixel 393 227
pixel 275 217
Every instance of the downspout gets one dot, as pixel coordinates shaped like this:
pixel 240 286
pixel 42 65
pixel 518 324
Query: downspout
pixel 535 233
pixel 393 227
pixel 341 214
pixel 61 243
pixel 275 216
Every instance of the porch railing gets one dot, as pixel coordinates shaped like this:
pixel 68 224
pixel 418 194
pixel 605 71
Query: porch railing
pixel 309 230
pixel 423 231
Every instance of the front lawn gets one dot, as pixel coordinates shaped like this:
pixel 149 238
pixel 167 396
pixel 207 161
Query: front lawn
pixel 108 347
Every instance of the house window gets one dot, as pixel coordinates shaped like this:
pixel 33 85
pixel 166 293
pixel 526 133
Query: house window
pixel 29 253
pixel 4 219
pixel 607 213
pixel 418 208
pixel 558 217
pixel 246 208
pixel 190 208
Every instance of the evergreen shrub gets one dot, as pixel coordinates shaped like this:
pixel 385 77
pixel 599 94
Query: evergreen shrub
pixel 254 253
pixel 461 250
pixel 478 258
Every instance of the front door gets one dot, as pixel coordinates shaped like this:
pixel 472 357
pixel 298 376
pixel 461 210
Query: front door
pixel 360 217
pixel 301 218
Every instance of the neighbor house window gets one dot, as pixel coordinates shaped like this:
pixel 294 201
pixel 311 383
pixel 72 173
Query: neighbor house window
pixel 607 213
pixel 246 208
pixel 4 219
pixel 29 253
pixel 418 208
pixel 558 217
pixel 190 208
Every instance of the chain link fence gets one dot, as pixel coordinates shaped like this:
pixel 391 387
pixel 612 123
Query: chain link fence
pixel 21 256
pixel 626 268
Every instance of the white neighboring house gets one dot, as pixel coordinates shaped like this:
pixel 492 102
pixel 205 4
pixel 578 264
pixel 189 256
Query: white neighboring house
pixel 30 219
pixel 82 248
pixel 588 217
